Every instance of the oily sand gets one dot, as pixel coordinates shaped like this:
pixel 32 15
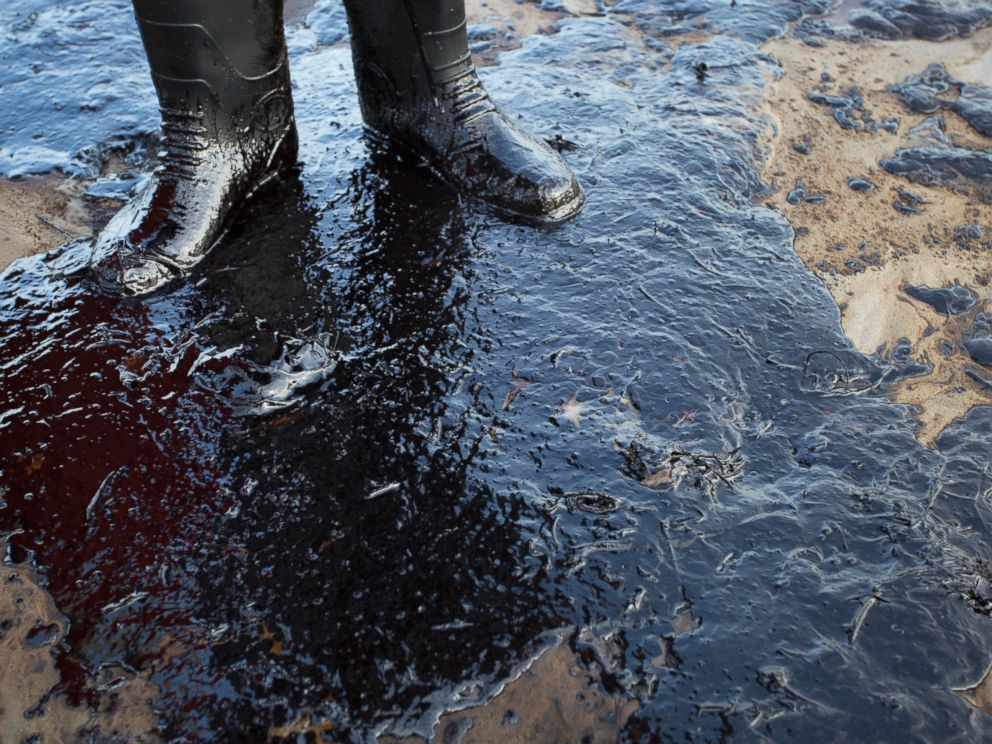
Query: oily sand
pixel 863 249
pixel 555 699
pixel 32 631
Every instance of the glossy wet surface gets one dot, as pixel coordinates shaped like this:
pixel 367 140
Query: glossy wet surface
pixel 384 447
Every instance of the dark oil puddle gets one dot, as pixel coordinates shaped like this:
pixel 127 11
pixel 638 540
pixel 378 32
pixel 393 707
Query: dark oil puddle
pixel 934 90
pixel 932 20
pixel 929 20
pixel 382 446
pixel 937 162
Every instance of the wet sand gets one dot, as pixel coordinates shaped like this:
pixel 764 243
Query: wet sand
pixel 979 694
pixel 557 698
pixel 40 212
pixel 32 627
pixel 31 632
pixel 863 247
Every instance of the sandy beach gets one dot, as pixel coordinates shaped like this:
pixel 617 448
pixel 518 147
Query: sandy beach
pixel 865 249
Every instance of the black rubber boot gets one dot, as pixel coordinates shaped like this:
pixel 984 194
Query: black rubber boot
pixel 222 78
pixel 418 87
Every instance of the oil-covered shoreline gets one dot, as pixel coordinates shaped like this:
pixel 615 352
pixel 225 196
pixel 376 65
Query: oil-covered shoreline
pixel 356 478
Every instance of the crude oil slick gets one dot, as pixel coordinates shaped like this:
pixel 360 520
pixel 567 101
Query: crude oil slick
pixel 383 449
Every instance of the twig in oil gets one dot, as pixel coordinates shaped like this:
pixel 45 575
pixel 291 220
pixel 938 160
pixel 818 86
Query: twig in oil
pixel 383 491
pixel 859 621
pixel 45 221
pixel 111 476
pixel 935 490
pixel 651 297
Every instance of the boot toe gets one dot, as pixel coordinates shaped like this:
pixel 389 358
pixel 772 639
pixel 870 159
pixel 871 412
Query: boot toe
pixel 560 198
pixel 144 276
pixel 522 174
pixel 129 276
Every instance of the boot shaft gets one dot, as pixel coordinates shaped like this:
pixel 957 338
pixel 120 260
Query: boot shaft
pixel 220 60
pixel 407 53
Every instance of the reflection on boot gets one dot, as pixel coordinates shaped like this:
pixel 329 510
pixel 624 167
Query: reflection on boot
pixel 419 88
pixel 222 78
